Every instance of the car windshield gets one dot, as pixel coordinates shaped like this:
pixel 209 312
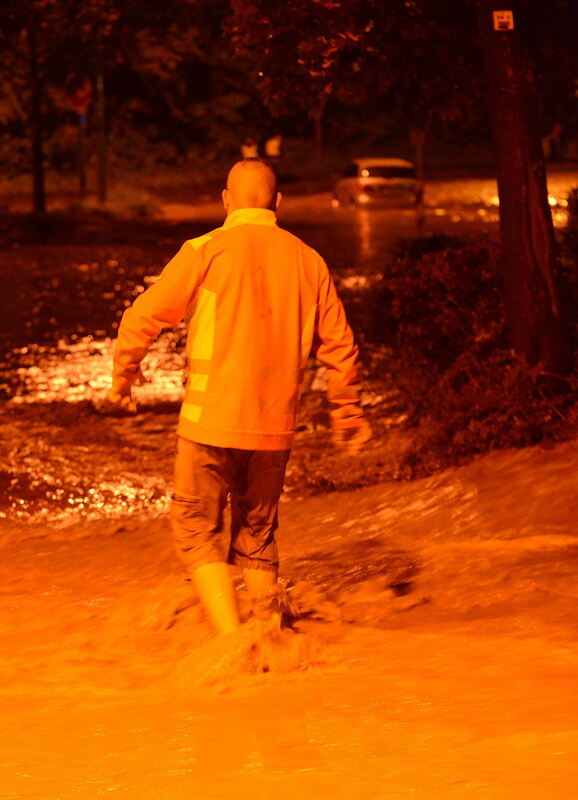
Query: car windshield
pixel 387 172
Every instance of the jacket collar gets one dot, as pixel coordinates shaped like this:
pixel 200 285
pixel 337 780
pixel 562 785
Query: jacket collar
pixel 251 216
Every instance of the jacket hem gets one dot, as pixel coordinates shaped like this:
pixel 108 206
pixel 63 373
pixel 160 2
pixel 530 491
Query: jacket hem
pixel 240 440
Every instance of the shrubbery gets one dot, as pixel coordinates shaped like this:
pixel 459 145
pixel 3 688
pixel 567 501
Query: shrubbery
pixel 439 312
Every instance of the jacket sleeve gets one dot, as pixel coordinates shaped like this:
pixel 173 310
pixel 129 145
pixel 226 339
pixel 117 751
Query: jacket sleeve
pixel 162 305
pixel 335 346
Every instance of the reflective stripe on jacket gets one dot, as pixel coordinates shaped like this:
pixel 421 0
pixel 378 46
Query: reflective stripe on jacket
pixel 257 302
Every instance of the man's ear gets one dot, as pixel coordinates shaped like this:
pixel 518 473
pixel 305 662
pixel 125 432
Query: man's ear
pixel 278 199
pixel 226 199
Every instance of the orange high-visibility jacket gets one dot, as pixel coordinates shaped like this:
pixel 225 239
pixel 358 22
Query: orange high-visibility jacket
pixel 257 302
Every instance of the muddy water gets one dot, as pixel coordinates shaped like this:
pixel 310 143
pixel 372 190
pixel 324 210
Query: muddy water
pixel 443 653
pixel 440 614
pixel 57 459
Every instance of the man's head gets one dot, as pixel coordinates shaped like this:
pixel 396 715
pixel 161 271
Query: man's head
pixel 251 183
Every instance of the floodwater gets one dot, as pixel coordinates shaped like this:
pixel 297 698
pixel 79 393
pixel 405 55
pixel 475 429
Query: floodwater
pixel 443 637
pixel 440 614
pixel 57 354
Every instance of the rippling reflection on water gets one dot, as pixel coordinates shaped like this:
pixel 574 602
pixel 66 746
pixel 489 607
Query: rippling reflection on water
pixel 44 496
pixel 81 370
pixel 59 459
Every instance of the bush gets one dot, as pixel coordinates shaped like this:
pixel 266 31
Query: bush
pixel 439 315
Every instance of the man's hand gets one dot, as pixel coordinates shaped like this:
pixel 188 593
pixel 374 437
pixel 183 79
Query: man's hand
pixel 352 438
pixel 119 399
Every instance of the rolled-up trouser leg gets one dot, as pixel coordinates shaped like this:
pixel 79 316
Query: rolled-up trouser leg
pixel 201 485
pixel 255 492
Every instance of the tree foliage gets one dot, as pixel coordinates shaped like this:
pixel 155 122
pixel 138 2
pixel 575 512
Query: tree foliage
pixel 165 68
pixel 414 57
pixel 138 42
pixel 173 84
pixel 418 59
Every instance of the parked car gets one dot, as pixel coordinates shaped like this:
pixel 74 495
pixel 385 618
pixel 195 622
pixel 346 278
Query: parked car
pixel 376 181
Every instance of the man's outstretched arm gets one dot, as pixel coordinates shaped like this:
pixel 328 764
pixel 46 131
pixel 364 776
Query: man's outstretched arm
pixel 163 305
pixel 335 346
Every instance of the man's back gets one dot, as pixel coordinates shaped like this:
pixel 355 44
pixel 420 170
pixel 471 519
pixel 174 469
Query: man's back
pixel 250 333
pixel 254 297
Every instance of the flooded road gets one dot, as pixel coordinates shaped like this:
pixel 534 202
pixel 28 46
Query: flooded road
pixel 441 622
pixel 440 613
pixel 58 333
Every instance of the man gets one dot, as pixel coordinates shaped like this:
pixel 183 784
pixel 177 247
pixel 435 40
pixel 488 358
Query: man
pixel 257 301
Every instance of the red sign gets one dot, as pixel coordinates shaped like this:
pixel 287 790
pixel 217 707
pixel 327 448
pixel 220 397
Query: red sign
pixel 82 98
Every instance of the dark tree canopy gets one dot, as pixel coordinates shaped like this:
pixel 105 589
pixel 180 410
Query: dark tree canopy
pixel 417 59
pixel 166 69
pixel 191 76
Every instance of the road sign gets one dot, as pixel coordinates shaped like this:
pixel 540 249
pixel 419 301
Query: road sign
pixel 503 20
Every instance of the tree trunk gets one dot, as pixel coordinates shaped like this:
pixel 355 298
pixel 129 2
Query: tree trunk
pixel 531 295
pixel 318 130
pixel 102 154
pixel 418 139
pixel 36 122
pixel 317 114
pixel 82 125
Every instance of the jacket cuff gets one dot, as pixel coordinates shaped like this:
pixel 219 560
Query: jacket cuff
pixel 348 415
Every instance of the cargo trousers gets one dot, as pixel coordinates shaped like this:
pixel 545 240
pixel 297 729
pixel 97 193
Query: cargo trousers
pixel 205 475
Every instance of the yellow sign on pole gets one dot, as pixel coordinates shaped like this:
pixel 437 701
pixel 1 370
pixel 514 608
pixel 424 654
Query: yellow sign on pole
pixel 503 20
